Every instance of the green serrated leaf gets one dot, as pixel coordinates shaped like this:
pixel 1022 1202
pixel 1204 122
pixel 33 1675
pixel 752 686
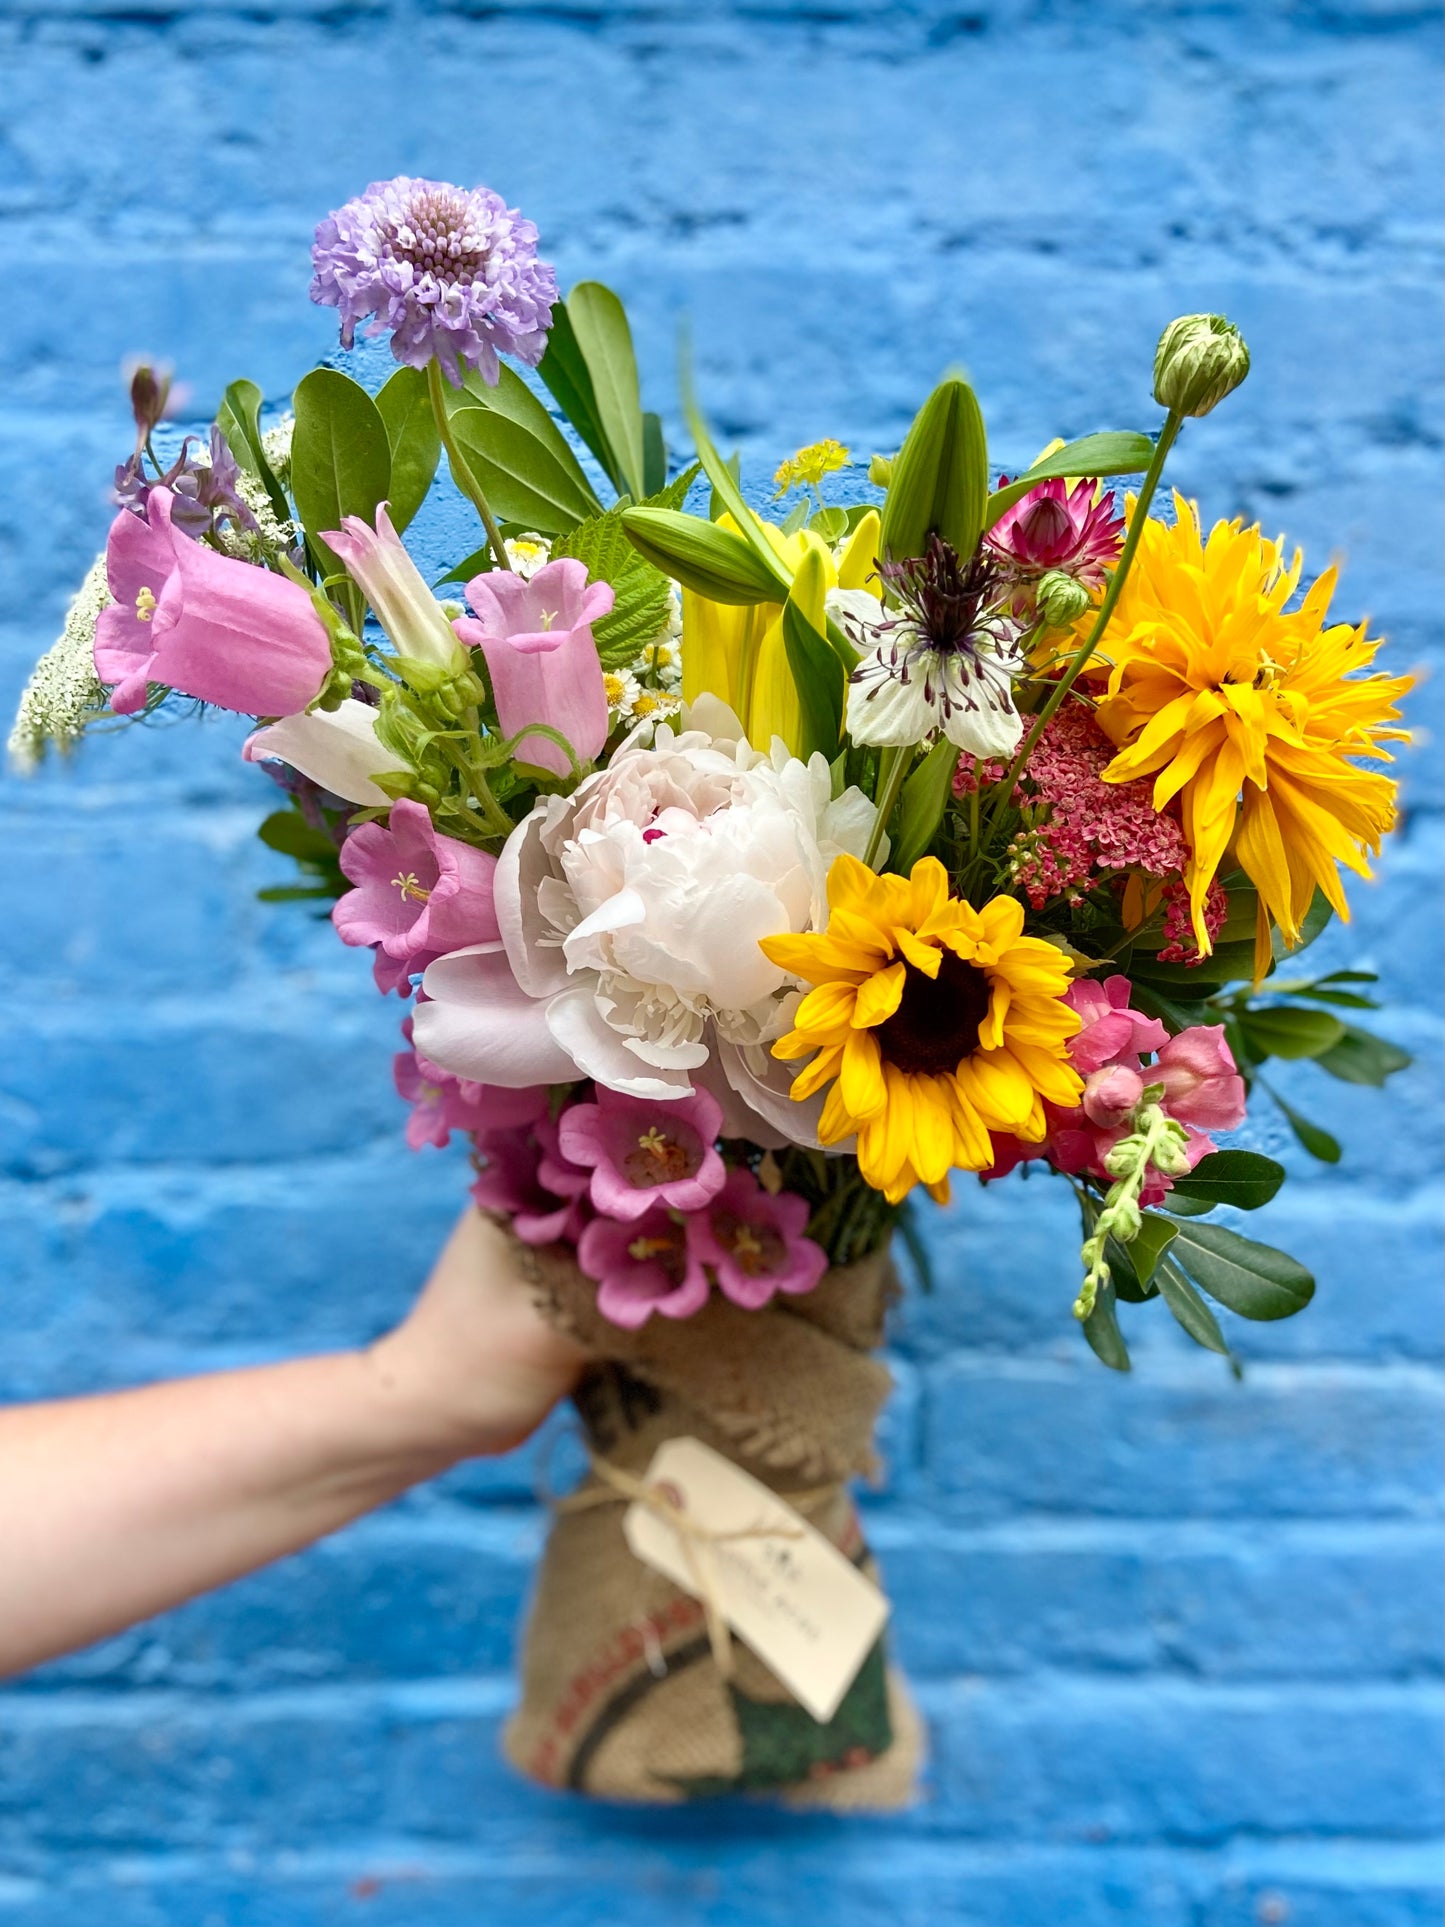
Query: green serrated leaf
pixel 1110 453
pixel 1245 1179
pixel 1360 1058
pixel 1289 1032
pixel 600 327
pixel 1189 1308
pixel 404 404
pixel 1317 1141
pixel 1252 1279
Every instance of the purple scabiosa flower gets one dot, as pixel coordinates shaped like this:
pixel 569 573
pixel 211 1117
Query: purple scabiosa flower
pixel 451 272
pixel 1056 529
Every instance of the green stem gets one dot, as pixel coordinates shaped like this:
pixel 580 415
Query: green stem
pixel 462 474
pixel 892 767
pixel 1061 688
pixel 494 820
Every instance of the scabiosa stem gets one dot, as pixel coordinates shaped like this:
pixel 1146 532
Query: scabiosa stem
pixel 462 474
pixel 1081 655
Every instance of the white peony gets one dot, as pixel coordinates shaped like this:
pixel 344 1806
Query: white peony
pixel 631 913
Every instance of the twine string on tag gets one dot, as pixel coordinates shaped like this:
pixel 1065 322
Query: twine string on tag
pixel 697 1541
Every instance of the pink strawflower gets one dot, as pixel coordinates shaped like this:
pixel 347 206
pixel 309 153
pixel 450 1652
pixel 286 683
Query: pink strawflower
pixel 1202 1085
pixel 520 1178
pixel 1088 825
pixel 1055 527
pixel 442 1103
pixel 651 1264
pixel 644 1152
pixel 1112 1032
pixel 418 894
pixel 204 624
pixel 536 636
pixel 754 1242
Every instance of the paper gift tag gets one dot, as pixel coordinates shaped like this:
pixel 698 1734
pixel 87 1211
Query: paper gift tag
pixel 805 1610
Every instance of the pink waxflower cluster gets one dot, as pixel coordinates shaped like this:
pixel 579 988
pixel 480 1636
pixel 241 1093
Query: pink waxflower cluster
pixel 1203 1090
pixel 637 1186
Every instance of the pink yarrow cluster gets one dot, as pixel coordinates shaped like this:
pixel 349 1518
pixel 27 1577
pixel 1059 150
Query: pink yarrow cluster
pixel 636 1186
pixel 1203 1090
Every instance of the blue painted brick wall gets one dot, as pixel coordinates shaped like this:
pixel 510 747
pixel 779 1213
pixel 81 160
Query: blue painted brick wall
pixel 1178 1638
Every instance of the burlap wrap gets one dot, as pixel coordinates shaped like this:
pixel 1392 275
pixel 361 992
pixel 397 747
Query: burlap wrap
pixel 621 1697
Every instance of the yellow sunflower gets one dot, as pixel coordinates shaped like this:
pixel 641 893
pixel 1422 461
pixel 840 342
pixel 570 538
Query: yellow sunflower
pixel 934 1022
pixel 1251 713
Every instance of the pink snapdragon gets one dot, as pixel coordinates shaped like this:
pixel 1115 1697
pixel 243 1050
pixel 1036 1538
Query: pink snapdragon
pixel 205 624
pixel 1203 1090
pixel 650 1264
pixel 536 636
pixel 644 1152
pixel 754 1242
pixel 418 894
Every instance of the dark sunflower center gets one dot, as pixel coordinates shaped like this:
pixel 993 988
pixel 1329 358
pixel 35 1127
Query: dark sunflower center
pixel 936 1024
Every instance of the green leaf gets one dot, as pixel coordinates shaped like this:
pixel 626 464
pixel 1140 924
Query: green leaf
pixel 290 833
pixel 728 495
pixel 404 405
pixel 703 556
pixel 599 324
pixel 1289 1033
pixel 1147 1247
pixel 1244 1179
pixel 1112 453
pixel 340 458
pixel 564 371
pixel 1252 1279
pixel 654 453
pixel 1315 1140
pixel 831 524
pixel 1190 1309
pixel 921 805
pixel 1317 920
pixel 818 678
pixel 939 482
pixel 510 396
pixel 1228 963
pixel 295 893
pixel 1101 1329
pixel 1359 1058
pixel 521 475
pixel 239 420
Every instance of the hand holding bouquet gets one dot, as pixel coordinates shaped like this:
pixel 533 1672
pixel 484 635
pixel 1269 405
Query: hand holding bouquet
pixel 750 874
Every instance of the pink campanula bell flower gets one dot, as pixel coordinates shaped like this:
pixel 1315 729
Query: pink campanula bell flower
pixel 415 623
pixel 643 1151
pixel 536 636
pixel 651 1264
pixel 523 1180
pixel 754 1242
pixel 418 893
pixel 442 1103
pixel 205 624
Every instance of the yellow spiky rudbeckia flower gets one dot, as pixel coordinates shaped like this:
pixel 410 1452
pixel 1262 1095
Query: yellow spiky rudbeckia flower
pixel 1251 713
pixel 934 1023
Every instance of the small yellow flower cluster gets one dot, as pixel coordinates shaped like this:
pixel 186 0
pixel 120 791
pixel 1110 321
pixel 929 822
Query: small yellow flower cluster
pixel 808 467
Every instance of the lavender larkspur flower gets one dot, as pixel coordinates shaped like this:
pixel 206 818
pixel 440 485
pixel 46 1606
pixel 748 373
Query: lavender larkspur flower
pixel 452 272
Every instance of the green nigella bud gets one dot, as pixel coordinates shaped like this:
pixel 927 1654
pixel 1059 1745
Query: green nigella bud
pixel 1200 359
pixel 1061 599
pixel 880 471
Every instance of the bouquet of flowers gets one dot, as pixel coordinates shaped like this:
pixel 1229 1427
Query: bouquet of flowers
pixel 749 874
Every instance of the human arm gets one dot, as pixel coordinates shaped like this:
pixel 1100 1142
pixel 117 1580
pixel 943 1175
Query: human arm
pixel 118 1506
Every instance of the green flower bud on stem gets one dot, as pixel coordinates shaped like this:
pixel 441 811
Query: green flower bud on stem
pixel 1061 599
pixel 1200 359
pixel 880 471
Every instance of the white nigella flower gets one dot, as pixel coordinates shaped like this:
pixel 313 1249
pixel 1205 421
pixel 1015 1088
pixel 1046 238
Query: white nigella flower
pixel 63 693
pixel 527 554
pixel 946 660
